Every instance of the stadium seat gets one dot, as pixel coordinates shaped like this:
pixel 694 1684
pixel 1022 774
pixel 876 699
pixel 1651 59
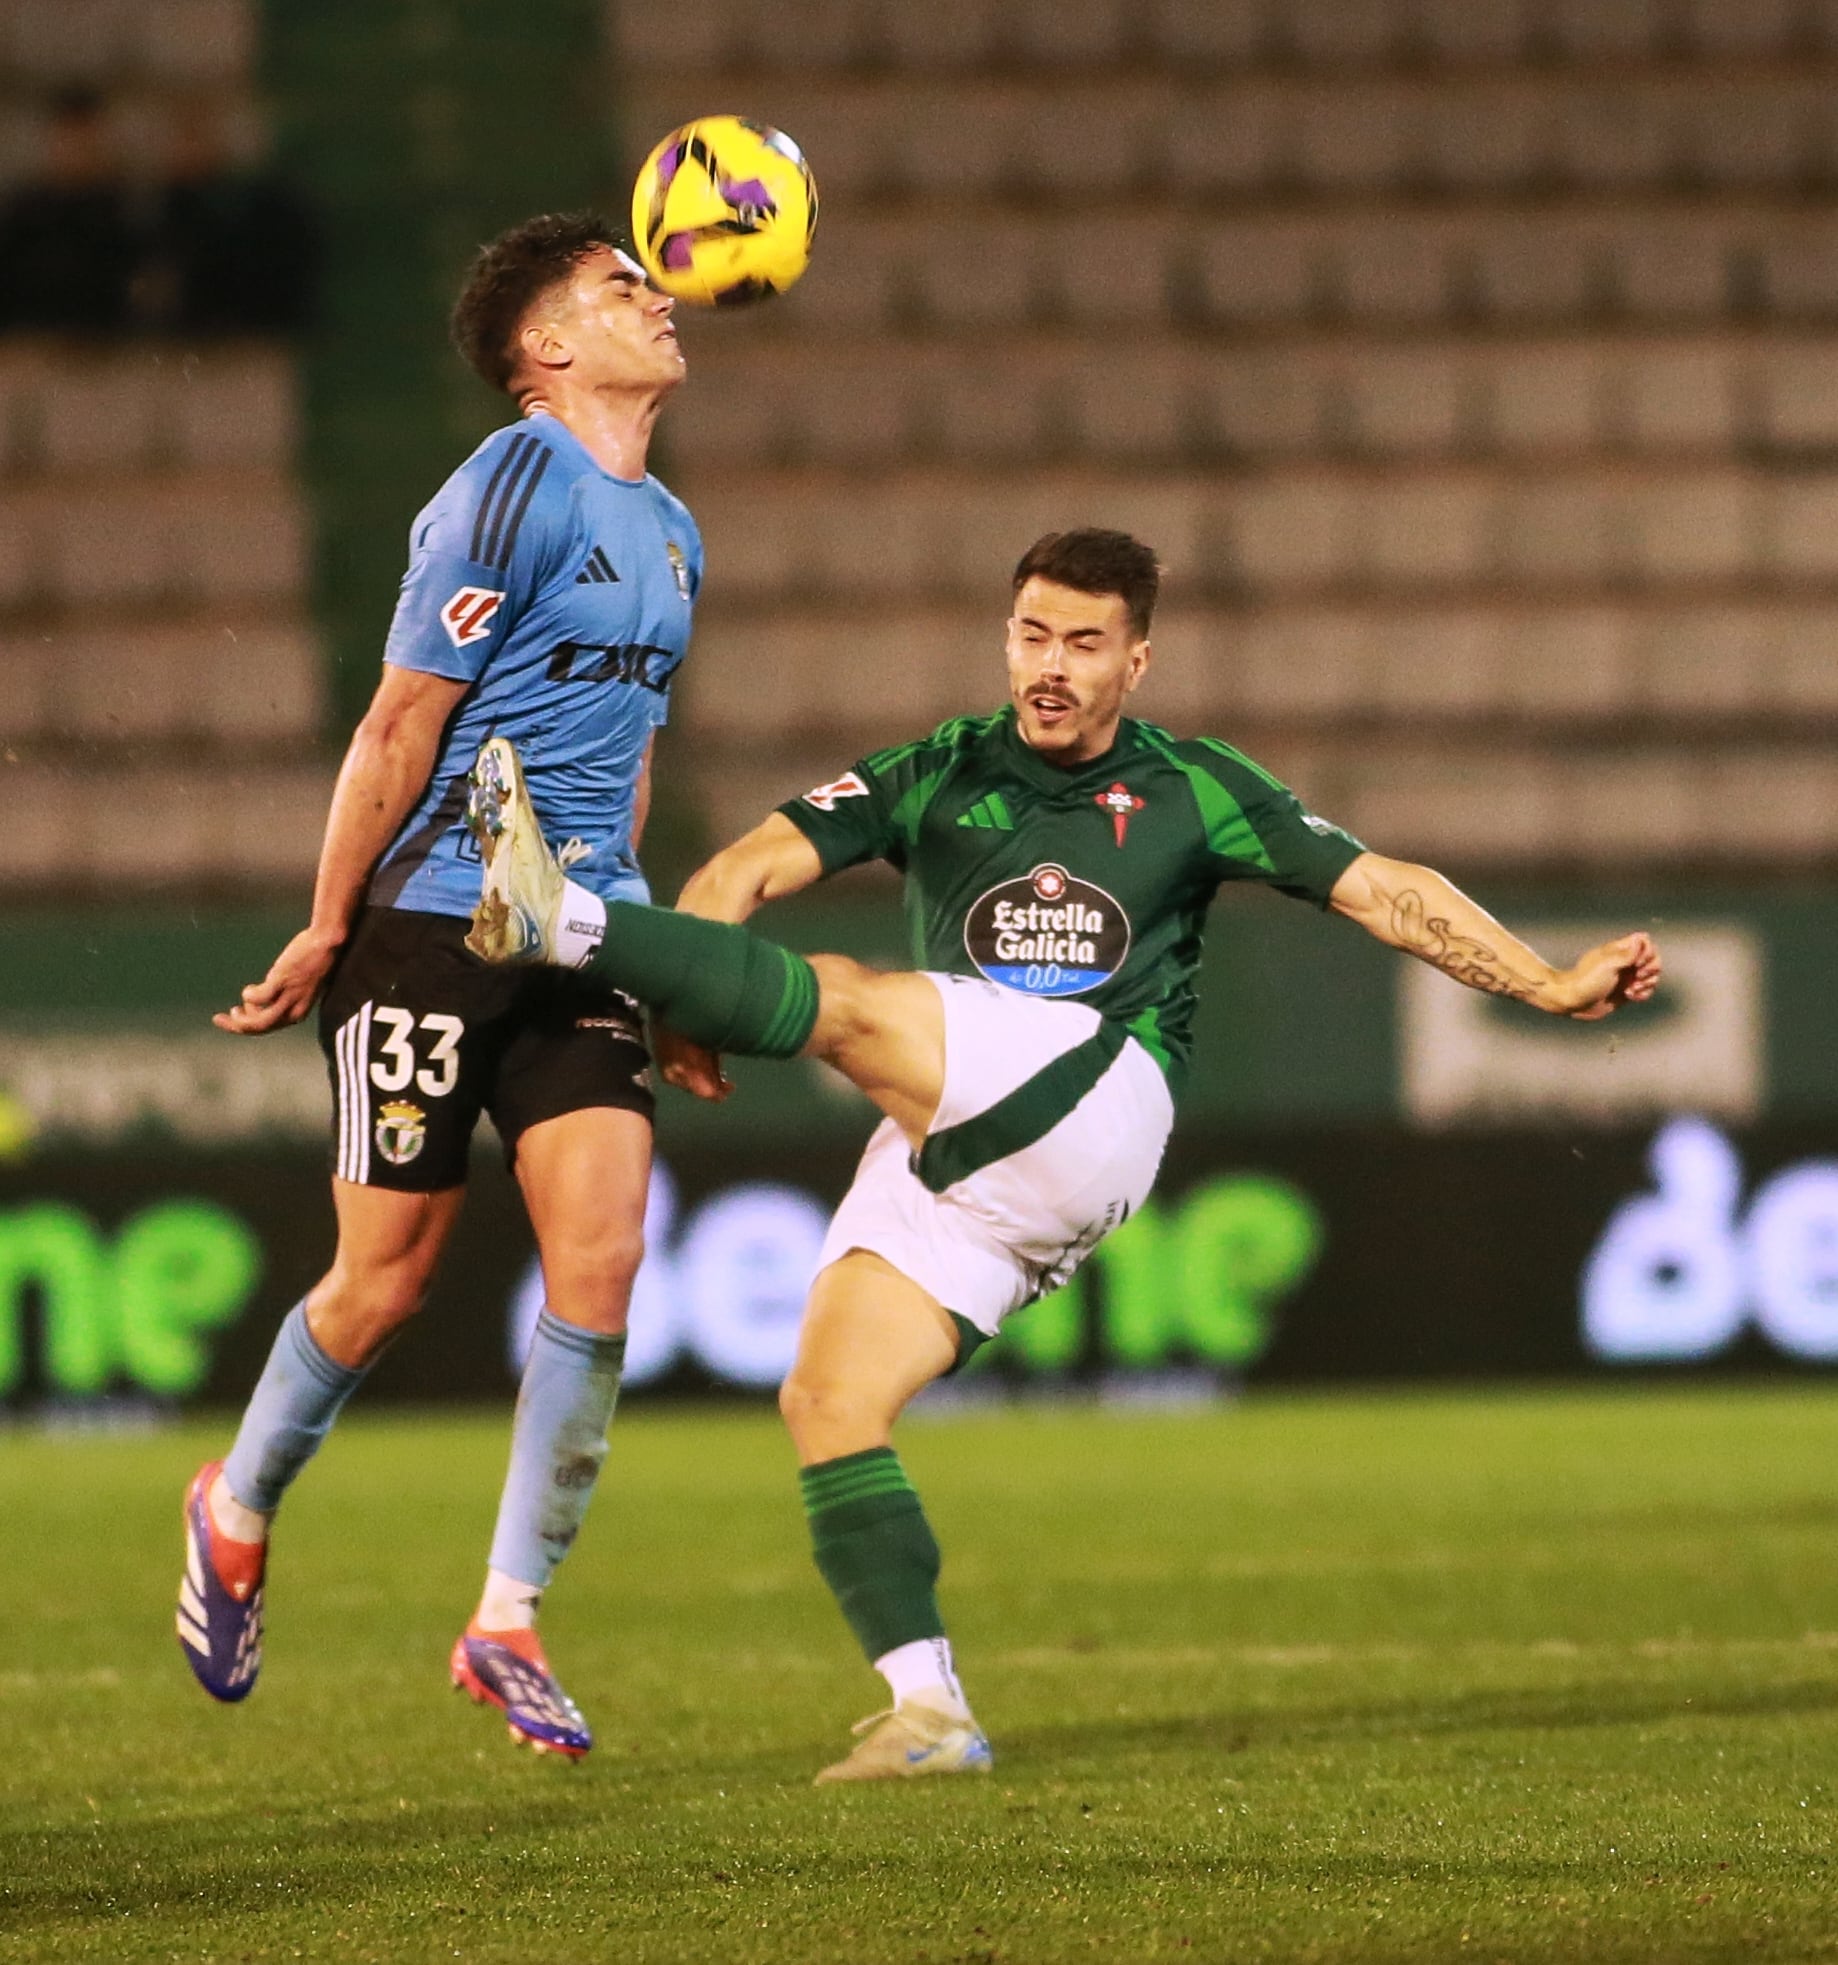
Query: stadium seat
pixel 1804 669
pixel 1250 404
pixel 1687 398
pixel 189 42
pixel 1473 30
pixel 1797 399
pixel 1208 33
pixel 1564 665
pixel 1424 531
pixel 25 694
pixel 1344 33
pixel 57 41
pixel 945 34
pixel 1286 534
pixel 234 408
pixel 102 416
pixel 243 543
pixel 1591 29
pixel 1702 527
pixel 1741 27
pixel 1406 401
pixel 1803 533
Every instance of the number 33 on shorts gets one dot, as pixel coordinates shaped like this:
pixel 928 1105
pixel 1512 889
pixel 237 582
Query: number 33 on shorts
pixel 390 1067
pixel 392 1059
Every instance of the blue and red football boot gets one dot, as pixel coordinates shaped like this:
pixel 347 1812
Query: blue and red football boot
pixel 220 1598
pixel 507 1669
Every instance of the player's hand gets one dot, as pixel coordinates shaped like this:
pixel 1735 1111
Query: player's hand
pixel 689 1066
pixel 290 988
pixel 1626 970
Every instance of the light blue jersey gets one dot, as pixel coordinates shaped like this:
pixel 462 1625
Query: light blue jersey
pixel 562 595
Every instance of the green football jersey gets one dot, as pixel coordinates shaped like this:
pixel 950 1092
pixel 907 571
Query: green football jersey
pixel 1090 883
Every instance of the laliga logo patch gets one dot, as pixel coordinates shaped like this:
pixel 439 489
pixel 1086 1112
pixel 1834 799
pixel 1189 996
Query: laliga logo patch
pixel 467 616
pixel 1047 934
pixel 402 1131
pixel 824 797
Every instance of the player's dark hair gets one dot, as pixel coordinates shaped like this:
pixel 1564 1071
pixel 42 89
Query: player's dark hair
pixel 510 273
pixel 1093 561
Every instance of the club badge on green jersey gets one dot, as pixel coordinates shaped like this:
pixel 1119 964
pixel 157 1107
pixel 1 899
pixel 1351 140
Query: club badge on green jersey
pixel 1047 934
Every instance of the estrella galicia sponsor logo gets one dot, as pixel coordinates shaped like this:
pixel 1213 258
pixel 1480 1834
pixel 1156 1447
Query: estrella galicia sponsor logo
pixel 1047 934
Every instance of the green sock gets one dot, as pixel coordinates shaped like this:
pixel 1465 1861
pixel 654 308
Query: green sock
pixel 874 1548
pixel 717 983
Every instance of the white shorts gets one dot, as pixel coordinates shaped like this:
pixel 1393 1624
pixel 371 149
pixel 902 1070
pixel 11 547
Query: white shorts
pixel 1013 1229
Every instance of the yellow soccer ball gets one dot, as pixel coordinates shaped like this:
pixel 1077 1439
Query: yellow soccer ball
pixel 723 212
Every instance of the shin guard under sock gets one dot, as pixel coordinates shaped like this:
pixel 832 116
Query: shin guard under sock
pixel 717 983
pixel 299 1394
pixel 558 1441
pixel 874 1548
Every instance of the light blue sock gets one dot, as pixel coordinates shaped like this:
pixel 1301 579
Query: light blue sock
pixel 570 1386
pixel 298 1395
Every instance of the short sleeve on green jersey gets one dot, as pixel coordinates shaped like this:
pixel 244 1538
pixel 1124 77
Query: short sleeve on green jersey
pixel 1259 830
pixel 872 812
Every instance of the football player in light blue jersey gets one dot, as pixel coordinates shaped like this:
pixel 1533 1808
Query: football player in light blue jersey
pixel 547 599
pixel 562 597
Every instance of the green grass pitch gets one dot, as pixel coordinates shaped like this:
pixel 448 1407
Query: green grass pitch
pixel 1513 1677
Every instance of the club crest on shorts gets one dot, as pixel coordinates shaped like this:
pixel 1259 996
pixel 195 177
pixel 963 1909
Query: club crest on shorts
pixel 1047 934
pixel 402 1131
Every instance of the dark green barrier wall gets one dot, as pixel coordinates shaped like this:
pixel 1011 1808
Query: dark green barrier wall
pixel 1303 1021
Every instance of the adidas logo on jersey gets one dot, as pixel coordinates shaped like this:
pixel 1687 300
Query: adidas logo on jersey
pixel 598 571
pixel 988 813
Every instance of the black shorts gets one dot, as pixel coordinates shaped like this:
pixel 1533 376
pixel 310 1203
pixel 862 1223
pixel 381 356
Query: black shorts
pixel 420 1037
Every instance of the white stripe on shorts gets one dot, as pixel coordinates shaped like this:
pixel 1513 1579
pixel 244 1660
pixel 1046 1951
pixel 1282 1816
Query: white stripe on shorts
pixel 351 1050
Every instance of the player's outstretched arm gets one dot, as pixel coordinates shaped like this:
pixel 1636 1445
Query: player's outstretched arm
pixel 1415 909
pixel 771 861
pixel 385 770
pixel 766 864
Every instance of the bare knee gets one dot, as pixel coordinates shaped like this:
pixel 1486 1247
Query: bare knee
pixel 353 1312
pixel 589 1281
pixel 826 1418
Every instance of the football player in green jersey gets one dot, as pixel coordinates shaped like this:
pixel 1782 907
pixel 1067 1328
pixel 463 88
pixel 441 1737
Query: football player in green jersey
pixel 1059 858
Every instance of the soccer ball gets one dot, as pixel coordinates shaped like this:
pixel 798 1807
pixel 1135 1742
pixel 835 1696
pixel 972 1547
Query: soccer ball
pixel 723 212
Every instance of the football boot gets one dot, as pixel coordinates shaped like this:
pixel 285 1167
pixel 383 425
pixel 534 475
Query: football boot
pixel 520 897
pixel 220 1598
pixel 913 1739
pixel 507 1669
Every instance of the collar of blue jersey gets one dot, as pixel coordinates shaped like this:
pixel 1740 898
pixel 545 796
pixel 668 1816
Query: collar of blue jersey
pixel 1036 770
pixel 554 431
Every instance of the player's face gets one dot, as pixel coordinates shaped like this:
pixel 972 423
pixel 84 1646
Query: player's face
pixel 619 325
pixel 1072 659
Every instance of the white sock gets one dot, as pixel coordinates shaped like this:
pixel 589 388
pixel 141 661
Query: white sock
pixel 580 926
pixel 923 1670
pixel 231 1518
pixel 509 1603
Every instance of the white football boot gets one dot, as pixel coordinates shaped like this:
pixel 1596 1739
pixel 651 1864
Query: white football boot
pixel 911 1740
pixel 521 896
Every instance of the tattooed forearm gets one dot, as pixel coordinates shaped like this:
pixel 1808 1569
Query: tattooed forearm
pixel 1435 940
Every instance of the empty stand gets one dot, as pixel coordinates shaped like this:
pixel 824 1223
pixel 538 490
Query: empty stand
pixel 1470 362
pixel 161 689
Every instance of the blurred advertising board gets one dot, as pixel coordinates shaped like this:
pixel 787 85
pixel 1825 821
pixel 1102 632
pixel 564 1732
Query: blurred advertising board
pixel 1301 1257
